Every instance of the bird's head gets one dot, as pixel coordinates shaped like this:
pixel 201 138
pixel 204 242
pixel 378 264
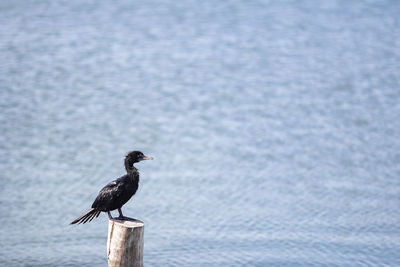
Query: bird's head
pixel 133 157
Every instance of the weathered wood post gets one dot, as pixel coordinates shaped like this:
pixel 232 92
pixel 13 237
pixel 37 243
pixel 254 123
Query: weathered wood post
pixel 125 243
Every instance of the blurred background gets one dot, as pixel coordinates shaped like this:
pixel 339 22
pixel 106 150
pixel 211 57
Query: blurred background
pixel 274 126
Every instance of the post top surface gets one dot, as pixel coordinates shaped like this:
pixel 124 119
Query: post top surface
pixel 128 222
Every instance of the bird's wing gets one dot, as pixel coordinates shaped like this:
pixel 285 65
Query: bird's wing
pixel 108 194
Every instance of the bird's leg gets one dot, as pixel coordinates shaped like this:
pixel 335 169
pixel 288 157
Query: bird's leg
pixel 109 215
pixel 120 214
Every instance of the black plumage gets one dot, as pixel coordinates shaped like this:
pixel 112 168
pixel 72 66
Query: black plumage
pixel 115 194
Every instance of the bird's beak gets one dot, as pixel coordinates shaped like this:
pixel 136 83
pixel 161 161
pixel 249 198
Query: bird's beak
pixel 147 158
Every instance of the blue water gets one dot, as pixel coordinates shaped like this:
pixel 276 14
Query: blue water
pixel 274 126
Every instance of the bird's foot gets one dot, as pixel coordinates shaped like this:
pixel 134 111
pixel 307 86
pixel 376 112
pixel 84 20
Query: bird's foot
pixel 121 217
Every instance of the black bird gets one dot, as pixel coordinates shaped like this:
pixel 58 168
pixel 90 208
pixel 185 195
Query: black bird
pixel 115 194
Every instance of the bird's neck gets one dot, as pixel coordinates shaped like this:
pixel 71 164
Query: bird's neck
pixel 131 169
pixel 133 175
pixel 129 165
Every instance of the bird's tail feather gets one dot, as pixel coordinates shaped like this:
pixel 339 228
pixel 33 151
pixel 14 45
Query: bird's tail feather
pixel 87 216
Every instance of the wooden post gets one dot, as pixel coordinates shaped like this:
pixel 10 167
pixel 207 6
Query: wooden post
pixel 125 243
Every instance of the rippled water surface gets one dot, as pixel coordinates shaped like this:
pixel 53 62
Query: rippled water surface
pixel 274 126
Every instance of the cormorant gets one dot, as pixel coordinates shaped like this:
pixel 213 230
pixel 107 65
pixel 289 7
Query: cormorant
pixel 115 194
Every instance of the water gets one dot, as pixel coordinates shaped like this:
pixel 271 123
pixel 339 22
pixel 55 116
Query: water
pixel 274 126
